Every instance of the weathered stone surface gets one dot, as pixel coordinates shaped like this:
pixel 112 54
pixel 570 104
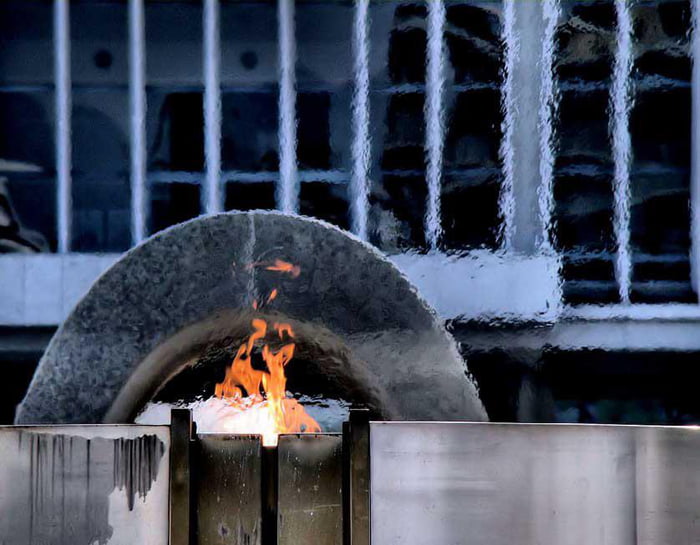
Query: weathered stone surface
pixel 195 271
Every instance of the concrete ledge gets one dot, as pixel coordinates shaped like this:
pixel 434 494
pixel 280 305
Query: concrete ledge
pixel 42 289
pixel 485 285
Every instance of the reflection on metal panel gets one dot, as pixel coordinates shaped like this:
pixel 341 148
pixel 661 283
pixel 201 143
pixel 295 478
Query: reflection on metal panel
pixel 310 496
pixel 668 485
pixel 84 484
pixel 228 490
pixel 497 484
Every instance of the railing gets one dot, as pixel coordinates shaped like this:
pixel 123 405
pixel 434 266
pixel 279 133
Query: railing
pixel 529 128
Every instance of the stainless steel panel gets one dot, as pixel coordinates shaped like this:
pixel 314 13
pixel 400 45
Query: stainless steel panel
pixel 668 485
pixel 492 484
pixel 228 490
pixel 75 485
pixel 310 489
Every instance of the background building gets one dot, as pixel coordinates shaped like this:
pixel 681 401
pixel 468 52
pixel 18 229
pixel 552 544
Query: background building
pixel 551 225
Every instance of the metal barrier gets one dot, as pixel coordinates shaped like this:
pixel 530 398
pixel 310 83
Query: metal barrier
pixel 379 482
pixel 496 484
pixel 310 488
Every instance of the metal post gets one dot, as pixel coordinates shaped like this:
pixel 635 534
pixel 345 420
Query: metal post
pixel 288 188
pixel 506 200
pixel 434 133
pixel 359 185
pixel 137 98
pixel 181 512
pixel 620 104
pixel 547 115
pixel 62 78
pixel 695 153
pixel 212 194
pixel 356 479
pixel 529 104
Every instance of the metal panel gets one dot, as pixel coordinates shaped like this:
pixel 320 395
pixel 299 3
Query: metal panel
pixel 68 485
pixel 668 485
pixel 310 495
pixel 229 501
pixel 534 484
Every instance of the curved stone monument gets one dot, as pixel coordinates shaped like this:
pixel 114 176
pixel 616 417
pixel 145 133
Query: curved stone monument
pixel 188 290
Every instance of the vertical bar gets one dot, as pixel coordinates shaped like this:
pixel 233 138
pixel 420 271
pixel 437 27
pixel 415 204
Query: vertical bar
pixel 345 487
pixel 361 145
pixel 528 110
pixel 270 493
pixel 212 194
pixel 547 116
pixel 506 200
pixel 620 105
pixel 434 119
pixel 288 188
pixel 181 433
pixel 695 155
pixel 356 485
pixel 137 102
pixel 62 77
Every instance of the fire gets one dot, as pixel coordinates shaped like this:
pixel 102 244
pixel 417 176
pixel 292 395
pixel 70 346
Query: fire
pixel 278 266
pixel 283 266
pixel 257 399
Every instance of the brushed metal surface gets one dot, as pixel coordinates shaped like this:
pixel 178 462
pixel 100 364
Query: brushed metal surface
pixel 228 490
pixel 310 489
pixel 498 484
pixel 84 484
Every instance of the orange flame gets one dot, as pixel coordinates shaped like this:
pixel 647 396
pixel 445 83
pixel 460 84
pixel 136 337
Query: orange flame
pixel 245 388
pixel 272 296
pixel 284 267
pixel 282 329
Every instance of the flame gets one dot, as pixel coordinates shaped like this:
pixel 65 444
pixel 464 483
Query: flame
pixel 277 265
pixel 272 296
pixel 284 267
pixel 257 399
